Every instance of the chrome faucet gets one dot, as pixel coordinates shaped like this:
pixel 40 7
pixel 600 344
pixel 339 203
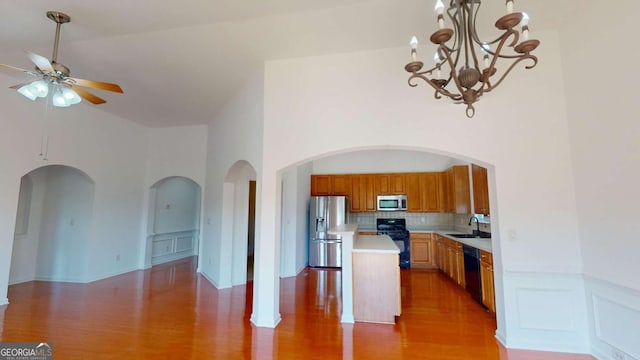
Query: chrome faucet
pixel 477 231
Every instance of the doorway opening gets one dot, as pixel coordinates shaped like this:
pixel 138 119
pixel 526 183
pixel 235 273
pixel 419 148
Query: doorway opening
pixel 53 223
pixel 251 230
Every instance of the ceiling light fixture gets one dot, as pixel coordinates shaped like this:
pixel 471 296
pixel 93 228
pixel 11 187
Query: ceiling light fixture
pixel 473 77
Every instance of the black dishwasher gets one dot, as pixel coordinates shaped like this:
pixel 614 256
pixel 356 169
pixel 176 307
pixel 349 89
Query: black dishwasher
pixel 472 272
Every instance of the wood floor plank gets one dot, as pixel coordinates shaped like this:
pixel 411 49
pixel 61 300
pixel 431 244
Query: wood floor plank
pixel 171 312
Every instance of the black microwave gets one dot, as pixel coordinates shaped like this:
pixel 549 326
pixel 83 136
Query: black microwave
pixel 392 202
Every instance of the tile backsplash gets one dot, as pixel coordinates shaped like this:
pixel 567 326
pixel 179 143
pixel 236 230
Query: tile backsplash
pixel 420 220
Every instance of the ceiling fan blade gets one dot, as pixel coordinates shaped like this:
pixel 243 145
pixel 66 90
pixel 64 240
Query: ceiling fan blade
pixel 96 84
pixel 15 68
pixel 41 62
pixel 18 86
pixel 88 96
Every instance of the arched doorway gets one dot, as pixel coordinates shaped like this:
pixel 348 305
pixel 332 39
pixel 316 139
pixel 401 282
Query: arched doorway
pixel 238 220
pixel 346 161
pixel 51 241
pixel 173 226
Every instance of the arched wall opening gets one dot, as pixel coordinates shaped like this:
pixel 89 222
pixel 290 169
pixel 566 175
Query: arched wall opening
pixel 238 224
pixel 173 226
pixel 380 159
pixel 53 223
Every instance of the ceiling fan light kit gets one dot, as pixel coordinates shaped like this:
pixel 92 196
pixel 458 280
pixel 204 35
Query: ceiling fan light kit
pixel 55 78
pixel 461 48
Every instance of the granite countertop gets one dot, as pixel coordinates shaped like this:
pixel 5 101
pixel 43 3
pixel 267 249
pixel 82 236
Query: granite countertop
pixel 381 244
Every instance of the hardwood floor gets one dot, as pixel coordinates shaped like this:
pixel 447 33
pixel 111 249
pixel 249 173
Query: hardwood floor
pixel 170 312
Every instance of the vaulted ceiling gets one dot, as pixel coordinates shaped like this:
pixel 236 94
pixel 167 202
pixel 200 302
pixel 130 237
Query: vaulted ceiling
pixel 180 61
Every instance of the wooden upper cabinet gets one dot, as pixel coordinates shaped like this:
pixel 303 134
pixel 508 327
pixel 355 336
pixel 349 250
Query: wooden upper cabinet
pixel 412 183
pixel 363 193
pixel 355 201
pixel 423 192
pixel 390 184
pixel 457 192
pixel 341 185
pixel 320 185
pixel 370 196
pixel 480 189
pixel 396 181
pixel 430 192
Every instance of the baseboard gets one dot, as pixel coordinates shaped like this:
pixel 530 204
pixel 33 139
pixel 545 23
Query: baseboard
pixel 4 301
pixel 266 323
pixel 614 319
pixel 60 279
pixel 215 285
pixel 545 312
pixel 171 257
pixel 19 281
pixel 112 274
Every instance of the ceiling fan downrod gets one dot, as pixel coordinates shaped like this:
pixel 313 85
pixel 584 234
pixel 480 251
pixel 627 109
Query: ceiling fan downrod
pixel 59 18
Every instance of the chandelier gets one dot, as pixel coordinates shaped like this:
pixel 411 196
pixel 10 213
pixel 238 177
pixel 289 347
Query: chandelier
pixel 458 73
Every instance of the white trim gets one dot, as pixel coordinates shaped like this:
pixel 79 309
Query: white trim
pixel 4 301
pixel 268 323
pixel 206 277
pixel 111 274
pixel 545 312
pixel 614 319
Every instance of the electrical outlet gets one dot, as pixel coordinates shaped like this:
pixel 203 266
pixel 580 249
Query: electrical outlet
pixel 117 257
pixel 618 355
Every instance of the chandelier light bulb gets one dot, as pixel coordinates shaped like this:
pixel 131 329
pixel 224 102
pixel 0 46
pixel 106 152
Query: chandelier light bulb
pixel 439 9
pixel 509 6
pixel 525 19
pixel 414 43
pixel 414 49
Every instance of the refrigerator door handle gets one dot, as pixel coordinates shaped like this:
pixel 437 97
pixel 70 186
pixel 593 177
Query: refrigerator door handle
pixel 329 241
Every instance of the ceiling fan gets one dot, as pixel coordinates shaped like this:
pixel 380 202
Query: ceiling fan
pixel 67 90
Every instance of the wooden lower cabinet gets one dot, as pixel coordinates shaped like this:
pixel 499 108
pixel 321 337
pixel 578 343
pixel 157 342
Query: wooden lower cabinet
pixel 423 251
pixel 449 258
pixel 486 276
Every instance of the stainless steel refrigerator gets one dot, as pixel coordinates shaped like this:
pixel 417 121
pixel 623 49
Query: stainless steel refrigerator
pixel 325 213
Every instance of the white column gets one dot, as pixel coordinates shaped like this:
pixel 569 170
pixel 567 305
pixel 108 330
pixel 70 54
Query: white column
pixel 348 233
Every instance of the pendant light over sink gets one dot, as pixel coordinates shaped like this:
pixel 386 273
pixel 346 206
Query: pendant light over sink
pixel 465 66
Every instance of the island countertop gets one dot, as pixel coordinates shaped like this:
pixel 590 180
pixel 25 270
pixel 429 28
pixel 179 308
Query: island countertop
pixel 381 244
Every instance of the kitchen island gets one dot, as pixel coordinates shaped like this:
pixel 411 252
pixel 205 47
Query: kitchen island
pixel 376 279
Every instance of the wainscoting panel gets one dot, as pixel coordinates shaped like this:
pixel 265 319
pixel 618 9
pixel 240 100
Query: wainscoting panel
pixel 173 246
pixel 614 318
pixel 545 312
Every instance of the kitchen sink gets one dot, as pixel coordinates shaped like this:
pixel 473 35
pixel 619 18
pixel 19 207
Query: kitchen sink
pixel 471 236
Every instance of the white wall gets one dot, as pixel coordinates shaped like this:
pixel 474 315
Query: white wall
pixel 177 205
pixel 520 129
pixel 24 258
pixel 173 151
pixel 234 134
pixel 65 226
pixel 302 218
pixel 604 133
pixel 380 161
pixel 108 149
